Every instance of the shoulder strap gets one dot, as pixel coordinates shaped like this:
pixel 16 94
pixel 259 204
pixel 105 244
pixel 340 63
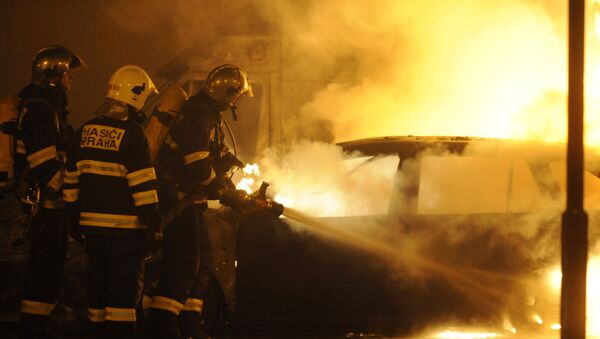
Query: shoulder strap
pixel 24 104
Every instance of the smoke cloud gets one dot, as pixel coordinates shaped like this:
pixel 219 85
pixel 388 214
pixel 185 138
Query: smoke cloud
pixel 181 24
pixel 465 67
pixel 324 181
pixel 432 67
pixel 493 260
pixel 493 68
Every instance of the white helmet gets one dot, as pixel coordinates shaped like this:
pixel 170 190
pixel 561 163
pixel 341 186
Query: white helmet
pixel 130 84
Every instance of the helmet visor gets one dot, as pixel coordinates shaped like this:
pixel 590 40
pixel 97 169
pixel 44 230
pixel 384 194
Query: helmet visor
pixel 248 89
pixel 77 63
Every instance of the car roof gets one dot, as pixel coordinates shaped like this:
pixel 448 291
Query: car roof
pixel 409 146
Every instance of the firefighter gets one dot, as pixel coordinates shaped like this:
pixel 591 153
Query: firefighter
pixel 110 190
pixel 191 165
pixel 42 141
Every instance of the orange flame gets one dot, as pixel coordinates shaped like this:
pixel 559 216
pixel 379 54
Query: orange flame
pixel 249 181
pixel 554 278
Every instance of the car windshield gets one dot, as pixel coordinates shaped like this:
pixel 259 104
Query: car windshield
pixel 369 184
pixel 450 184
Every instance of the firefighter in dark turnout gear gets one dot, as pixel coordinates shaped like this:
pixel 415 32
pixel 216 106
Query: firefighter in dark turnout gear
pixel 42 142
pixel 110 190
pixel 189 163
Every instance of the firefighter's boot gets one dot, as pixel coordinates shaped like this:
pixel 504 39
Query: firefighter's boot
pixel 190 324
pixel 33 327
pixel 163 324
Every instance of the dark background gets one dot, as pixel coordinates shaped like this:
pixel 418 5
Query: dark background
pixel 108 34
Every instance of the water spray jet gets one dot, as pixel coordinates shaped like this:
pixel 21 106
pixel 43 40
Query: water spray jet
pixel 485 287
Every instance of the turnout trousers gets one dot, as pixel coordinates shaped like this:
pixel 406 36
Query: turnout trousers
pixel 115 283
pixel 47 248
pixel 190 318
pixel 177 297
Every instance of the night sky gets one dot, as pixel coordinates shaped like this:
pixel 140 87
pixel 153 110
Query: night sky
pixel 82 26
pixel 382 58
pixel 106 34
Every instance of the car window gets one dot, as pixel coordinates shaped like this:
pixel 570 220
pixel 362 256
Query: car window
pixel 525 194
pixel 373 181
pixel 467 185
pixel 364 187
pixel 590 181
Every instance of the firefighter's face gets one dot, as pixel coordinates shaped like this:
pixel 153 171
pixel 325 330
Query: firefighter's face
pixel 67 80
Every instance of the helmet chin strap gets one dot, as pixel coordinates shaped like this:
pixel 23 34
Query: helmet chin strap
pixel 136 115
pixel 234 112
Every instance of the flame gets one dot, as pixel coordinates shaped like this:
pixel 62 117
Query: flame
pixel 251 169
pixel 245 184
pixel 248 182
pixel 469 68
pixel 554 278
pixel 593 296
pixel 485 74
pixel 451 334
pixel 592 76
pixel 503 80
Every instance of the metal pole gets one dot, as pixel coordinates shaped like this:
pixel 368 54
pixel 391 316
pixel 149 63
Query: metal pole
pixel 574 222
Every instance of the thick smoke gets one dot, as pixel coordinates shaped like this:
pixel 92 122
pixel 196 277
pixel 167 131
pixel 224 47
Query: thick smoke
pixel 181 24
pixel 431 67
pixel 467 67
pixel 324 181
pixel 494 262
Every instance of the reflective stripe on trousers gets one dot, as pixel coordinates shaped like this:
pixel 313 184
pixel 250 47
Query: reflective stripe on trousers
pixel 193 305
pixel 36 307
pixel 166 304
pixel 96 315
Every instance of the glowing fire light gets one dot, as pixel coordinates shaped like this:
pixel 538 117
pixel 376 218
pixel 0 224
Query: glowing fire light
pixel 248 182
pixel 556 278
pixel 593 294
pixel 507 324
pixel 466 335
pixel 535 111
pixel 251 169
pixel 245 184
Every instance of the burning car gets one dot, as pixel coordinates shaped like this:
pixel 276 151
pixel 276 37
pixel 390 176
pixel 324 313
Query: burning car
pixel 409 233
pixel 385 234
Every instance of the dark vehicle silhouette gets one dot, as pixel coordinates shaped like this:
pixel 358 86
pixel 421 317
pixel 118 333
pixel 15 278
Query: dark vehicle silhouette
pixel 468 223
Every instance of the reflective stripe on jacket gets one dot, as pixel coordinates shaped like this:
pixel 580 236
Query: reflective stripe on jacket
pixel 109 178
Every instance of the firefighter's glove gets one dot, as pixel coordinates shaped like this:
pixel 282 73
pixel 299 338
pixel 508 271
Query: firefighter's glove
pixel 227 164
pixel 214 190
pixel 274 207
pixel 236 199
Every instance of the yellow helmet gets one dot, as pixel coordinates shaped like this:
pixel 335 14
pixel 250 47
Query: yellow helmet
pixel 131 85
pixel 226 84
pixel 51 62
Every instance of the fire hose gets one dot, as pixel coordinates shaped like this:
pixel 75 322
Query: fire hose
pixel 237 199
